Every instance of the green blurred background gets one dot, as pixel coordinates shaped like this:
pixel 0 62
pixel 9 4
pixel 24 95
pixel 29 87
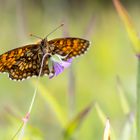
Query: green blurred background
pixel 92 77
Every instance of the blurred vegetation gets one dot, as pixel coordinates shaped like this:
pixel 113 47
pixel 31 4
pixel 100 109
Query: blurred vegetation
pixel 95 75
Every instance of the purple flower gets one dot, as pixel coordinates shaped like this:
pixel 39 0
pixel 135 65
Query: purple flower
pixel 58 65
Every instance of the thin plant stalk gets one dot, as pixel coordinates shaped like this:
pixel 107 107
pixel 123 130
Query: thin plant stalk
pixel 71 91
pixel 26 118
pixel 138 101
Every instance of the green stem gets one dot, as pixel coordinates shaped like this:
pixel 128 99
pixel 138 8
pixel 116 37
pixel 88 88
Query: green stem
pixel 138 101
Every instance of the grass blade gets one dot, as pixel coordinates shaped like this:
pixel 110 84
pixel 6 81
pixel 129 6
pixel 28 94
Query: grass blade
pixel 128 25
pixel 107 131
pixel 123 99
pixel 127 131
pixel 103 117
pixel 76 121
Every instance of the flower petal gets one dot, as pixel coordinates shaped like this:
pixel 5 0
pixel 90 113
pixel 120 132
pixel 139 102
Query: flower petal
pixel 67 63
pixel 59 67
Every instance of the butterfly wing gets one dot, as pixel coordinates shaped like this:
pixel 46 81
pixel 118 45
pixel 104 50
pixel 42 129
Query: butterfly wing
pixel 23 62
pixel 69 47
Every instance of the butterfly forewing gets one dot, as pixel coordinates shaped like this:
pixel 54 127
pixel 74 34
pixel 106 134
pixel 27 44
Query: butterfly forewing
pixel 23 62
pixel 70 47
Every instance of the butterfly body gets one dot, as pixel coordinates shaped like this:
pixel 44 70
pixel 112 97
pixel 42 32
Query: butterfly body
pixel 24 62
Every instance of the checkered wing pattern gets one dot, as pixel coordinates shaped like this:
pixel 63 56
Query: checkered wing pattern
pixel 23 62
pixel 70 47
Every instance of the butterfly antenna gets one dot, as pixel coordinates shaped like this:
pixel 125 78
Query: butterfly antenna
pixel 54 30
pixel 36 36
pixel 47 34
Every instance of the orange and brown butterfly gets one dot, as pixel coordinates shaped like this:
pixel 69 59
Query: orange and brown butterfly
pixel 24 62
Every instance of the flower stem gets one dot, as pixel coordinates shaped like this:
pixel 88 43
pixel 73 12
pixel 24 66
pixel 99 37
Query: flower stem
pixel 138 101
pixel 21 130
pixel 71 92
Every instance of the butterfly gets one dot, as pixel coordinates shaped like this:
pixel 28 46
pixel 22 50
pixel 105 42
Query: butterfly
pixel 24 62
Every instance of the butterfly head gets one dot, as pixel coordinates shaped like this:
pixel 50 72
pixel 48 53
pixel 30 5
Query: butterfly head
pixel 44 42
